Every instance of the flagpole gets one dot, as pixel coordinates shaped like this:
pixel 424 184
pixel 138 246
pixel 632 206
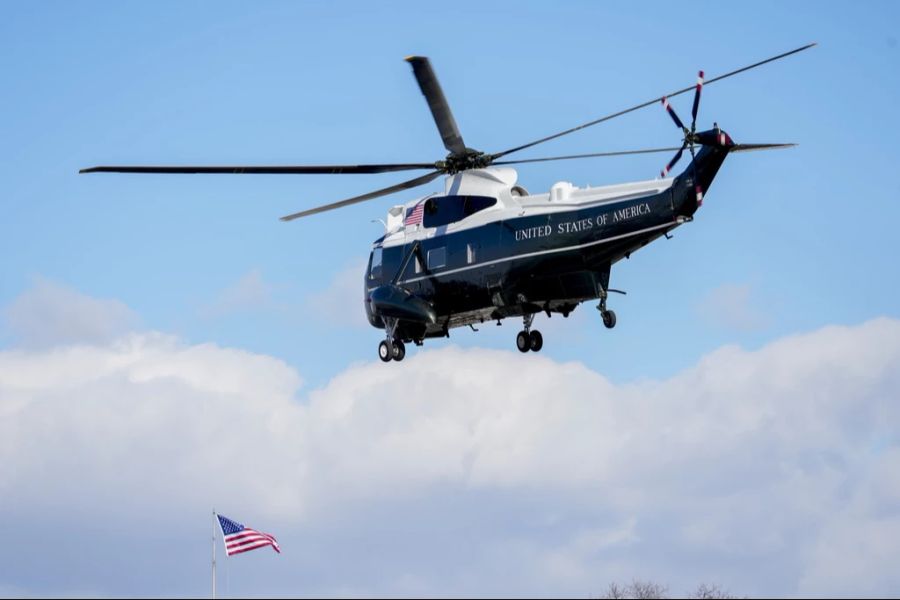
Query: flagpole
pixel 214 556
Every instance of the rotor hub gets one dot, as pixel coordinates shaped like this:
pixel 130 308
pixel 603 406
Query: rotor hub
pixel 456 163
pixel 690 137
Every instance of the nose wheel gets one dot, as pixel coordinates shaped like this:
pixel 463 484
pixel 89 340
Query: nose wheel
pixel 391 348
pixel 522 342
pixel 385 351
pixel 529 339
pixel 536 340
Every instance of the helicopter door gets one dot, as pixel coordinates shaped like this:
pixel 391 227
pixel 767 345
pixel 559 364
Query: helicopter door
pixel 486 250
pixel 414 270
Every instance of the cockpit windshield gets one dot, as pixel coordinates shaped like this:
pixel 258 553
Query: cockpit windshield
pixel 375 264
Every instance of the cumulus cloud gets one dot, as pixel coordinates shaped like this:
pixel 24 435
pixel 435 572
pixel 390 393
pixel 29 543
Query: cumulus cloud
pixel 250 292
pixel 341 302
pixel 50 313
pixel 476 471
pixel 733 306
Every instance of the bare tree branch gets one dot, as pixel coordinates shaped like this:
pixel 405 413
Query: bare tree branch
pixel 636 590
pixel 711 592
pixel 649 590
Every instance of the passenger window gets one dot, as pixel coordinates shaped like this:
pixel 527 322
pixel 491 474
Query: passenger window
pixel 418 264
pixel 437 258
pixel 375 270
pixel 471 253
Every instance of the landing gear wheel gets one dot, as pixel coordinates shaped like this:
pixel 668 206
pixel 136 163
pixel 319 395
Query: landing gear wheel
pixel 399 350
pixel 536 340
pixel 385 352
pixel 609 319
pixel 523 341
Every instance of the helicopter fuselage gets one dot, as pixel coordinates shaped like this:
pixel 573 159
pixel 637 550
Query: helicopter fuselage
pixel 486 249
pixel 519 254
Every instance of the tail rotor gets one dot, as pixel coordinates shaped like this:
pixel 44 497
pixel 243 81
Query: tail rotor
pixel 690 135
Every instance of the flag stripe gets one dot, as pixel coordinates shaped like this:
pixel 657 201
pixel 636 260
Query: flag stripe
pixel 243 541
pixel 254 543
pixel 250 545
pixel 248 541
pixel 248 549
pixel 253 546
pixel 246 533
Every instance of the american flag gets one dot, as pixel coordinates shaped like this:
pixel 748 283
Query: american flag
pixel 241 539
pixel 414 214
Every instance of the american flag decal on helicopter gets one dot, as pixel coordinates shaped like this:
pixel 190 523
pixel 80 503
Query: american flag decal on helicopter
pixel 414 214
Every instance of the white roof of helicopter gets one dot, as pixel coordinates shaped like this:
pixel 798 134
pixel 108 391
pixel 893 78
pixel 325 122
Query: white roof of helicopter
pixel 500 183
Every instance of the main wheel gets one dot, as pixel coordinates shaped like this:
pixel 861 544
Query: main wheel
pixel 609 319
pixel 536 341
pixel 385 352
pixel 523 342
pixel 399 350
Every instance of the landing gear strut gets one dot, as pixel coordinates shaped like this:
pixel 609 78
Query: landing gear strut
pixel 609 317
pixel 527 339
pixel 391 347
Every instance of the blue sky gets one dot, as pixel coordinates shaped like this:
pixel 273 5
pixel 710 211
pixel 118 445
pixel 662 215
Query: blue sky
pixel 786 243
pixel 310 83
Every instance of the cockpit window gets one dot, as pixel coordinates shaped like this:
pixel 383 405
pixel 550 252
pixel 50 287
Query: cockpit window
pixel 443 210
pixel 475 204
pixel 375 268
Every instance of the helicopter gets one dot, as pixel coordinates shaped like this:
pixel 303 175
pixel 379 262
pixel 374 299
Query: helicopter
pixel 485 249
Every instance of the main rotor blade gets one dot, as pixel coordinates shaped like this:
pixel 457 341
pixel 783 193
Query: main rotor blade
pixel 593 155
pixel 263 170
pixel 376 194
pixel 752 147
pixel 440 110
pixel 648 103
pixel 735 148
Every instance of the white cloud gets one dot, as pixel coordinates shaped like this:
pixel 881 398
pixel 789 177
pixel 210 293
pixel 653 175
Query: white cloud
pixel 755 470
pixel 341 303
pixel 869 524
pixel 734 306
pixel 250 292
pixel 50 313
